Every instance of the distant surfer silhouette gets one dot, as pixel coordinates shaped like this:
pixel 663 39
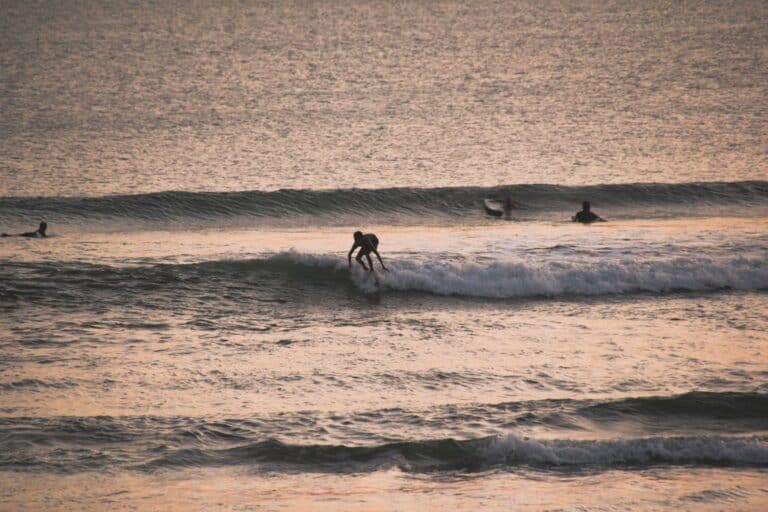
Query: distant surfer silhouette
pixel 509 204
pixel 40 233
pixel 368 244
pixel 586 215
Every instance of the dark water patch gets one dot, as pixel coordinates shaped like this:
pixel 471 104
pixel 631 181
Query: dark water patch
pixel 725 412
pixel 726 406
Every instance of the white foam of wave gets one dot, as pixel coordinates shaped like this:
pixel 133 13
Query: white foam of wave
pixel 509 280
pixel 548 279
pixel 515 450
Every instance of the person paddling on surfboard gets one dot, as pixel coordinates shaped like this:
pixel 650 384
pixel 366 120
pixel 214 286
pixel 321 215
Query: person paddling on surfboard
pixel 32 234
pixel 368 244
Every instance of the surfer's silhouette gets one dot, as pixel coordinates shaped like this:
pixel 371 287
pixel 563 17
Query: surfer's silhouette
pixel 509 204
pixel 368 244
pixel 586 215
pixel 40 233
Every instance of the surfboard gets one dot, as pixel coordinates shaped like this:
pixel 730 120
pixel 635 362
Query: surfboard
pixel 493 207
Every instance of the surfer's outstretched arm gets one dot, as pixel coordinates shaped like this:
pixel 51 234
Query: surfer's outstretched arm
pixel 382 263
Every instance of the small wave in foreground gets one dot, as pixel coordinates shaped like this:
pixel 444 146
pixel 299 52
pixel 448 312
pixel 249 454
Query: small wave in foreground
pixel 74 444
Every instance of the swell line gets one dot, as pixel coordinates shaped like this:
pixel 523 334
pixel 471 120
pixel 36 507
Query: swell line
pixel 534 201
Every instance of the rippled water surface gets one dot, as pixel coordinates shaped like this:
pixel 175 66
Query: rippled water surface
pixel 190 336
pixel 151 96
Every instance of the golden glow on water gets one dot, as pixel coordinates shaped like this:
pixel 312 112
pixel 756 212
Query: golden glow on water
pixel 237 489
pixel 497 352
pixel 331 94
pixel 164 364
pixel 139 349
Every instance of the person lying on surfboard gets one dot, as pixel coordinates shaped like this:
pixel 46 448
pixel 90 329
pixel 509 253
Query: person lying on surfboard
pixel 367 244
pixel 32 234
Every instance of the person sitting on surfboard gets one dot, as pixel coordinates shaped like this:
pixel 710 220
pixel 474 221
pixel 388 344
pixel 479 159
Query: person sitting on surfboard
pixel 586 215
pixel 367 244
pixel 509 204
pixel 32 234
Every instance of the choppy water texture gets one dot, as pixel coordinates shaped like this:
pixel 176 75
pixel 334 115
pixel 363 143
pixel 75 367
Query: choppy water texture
pixel 152 96
pixel 190 336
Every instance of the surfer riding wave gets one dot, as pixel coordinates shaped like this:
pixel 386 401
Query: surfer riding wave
pixel 368 243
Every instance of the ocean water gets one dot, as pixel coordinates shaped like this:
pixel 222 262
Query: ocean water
pixel 190 336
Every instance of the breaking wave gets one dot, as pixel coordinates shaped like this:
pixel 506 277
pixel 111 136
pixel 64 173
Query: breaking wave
pixel 509 451
pixel 74 444
pixel 555 279
pixel 495 280
pixel 496 452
